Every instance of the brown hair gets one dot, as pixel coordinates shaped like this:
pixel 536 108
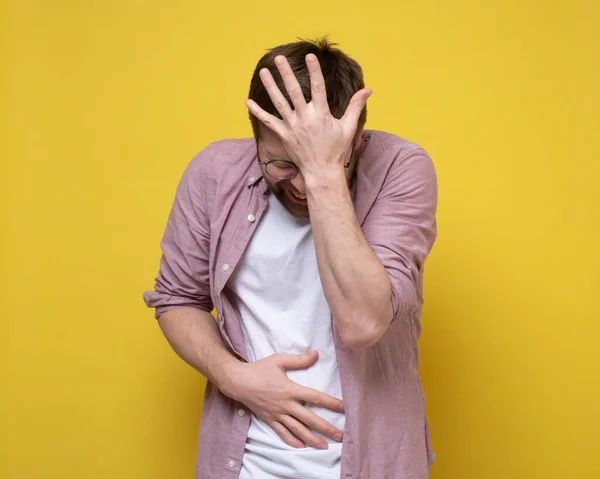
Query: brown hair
pixel 343 77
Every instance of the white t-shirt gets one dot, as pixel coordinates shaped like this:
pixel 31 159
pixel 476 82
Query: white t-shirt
pixel 278 295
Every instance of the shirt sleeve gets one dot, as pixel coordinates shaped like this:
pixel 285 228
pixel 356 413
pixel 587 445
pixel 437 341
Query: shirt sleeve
pixel 401 227
pixel 183 278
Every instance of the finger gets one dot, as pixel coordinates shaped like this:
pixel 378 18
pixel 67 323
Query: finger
pixel 291 83
pixel 271 122
pixel 300 431
pixel 355 108
pixel 317 83
pixel 298 361
pixel 316 423
pixel 279 101
pixel 285 434
pixel 318 398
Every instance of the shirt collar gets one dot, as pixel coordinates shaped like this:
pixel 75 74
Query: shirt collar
pixel 255 175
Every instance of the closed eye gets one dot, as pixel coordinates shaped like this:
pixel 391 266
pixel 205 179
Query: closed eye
pixel 283 164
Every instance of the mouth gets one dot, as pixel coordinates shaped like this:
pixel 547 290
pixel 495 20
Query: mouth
pixel 296 197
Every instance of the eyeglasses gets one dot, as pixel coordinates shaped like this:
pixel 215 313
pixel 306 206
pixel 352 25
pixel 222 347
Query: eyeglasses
pixel 285 169
pixel 280 169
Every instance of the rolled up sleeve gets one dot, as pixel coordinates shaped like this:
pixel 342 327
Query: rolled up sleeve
pixel 401 227
pixel 183 278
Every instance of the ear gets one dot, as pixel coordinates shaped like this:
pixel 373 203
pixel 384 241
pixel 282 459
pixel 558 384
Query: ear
pixel 358 141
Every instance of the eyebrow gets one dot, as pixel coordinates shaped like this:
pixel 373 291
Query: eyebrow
pixel 275 157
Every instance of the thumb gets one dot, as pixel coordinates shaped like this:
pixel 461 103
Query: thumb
pixel 355 108
pixel 298 361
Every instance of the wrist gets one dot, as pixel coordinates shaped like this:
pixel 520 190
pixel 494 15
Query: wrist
pixel 331 178
pixel 228 381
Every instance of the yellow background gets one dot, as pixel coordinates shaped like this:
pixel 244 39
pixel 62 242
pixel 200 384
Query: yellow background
pixel 104 103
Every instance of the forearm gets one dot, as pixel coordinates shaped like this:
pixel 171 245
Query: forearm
pixel 355 282
pixel 194 336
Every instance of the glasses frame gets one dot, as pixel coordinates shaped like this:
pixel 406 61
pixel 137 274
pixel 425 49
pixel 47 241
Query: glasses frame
pixel 292 164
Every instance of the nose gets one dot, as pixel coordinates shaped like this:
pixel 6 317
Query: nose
pixel 298 183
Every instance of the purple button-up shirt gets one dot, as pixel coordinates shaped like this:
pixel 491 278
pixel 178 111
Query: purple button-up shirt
pixel 219 203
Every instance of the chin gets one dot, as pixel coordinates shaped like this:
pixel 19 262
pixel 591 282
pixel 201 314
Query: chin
pixel 303 213
pixel 295 209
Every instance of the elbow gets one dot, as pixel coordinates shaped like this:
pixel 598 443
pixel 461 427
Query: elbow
pixel 368 334
pixel 365 326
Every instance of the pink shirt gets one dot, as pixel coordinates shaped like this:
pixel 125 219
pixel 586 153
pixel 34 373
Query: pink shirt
pixel 219 202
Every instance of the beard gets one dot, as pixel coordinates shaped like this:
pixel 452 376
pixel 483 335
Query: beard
pixel 283 192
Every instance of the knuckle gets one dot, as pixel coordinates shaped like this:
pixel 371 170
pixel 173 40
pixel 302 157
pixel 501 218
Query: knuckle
pixel 289 390
pixel 295 93
pixel 276 357
pixel 319 87
pixel 280 105
pixel 312 423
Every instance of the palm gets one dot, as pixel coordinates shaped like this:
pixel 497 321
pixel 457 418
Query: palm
pixel 311 135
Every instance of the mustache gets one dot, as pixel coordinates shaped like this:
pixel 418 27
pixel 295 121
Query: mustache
pixel 282 185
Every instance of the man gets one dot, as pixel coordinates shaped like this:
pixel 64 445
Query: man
pixel 309 240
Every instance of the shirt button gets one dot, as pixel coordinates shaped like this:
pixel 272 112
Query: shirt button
pixel 251 218
pixel 225 267
pixel 241 412
pixel 231 463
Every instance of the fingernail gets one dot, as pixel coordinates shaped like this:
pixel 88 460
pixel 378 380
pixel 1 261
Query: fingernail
pixel 322 445
pixel 341 407
pixel 337 437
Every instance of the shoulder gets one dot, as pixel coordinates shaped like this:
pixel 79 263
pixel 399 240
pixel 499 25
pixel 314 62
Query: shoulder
pixel 386 149
pixel 230 155
pixel 217 169
pixel 215 173
pixel 389 158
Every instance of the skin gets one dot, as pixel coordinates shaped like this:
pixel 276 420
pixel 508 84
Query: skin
pixel 355 282
pixel 262 386
pixel 270 147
